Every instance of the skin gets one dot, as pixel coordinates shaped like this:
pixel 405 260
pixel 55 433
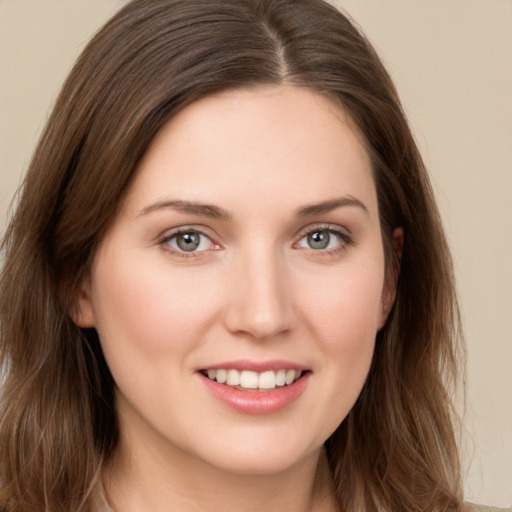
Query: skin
pixel 254 289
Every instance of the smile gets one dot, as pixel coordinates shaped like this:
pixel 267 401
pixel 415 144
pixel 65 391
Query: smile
pixel 255 388
pixel 251 380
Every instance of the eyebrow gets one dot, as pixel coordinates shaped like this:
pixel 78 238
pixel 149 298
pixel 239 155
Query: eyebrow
pixel 328 206
pixel 216 212
pixel 192 208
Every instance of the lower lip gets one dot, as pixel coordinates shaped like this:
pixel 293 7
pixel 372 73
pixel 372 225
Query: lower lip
pixel 257 402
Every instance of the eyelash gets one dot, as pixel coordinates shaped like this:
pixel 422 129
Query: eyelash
pixel 346 240
pixel 164 242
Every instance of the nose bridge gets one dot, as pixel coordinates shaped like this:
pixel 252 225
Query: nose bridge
pixel 259 303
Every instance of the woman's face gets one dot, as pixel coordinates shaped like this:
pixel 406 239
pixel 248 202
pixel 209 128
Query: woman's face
pixel 248 248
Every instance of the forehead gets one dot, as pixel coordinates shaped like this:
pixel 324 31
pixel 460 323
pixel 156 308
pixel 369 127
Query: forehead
pixel 256 142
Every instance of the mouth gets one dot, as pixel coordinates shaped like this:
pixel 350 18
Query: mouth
pixel 248 380
pixel 255 388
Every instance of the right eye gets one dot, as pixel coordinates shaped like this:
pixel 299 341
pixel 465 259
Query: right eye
pixel 189 241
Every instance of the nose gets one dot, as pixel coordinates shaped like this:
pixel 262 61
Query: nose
pixel 259 298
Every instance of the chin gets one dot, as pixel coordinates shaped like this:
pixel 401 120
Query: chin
pixel 260 458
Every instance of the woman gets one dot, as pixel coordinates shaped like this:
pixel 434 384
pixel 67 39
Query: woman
pixel 226 283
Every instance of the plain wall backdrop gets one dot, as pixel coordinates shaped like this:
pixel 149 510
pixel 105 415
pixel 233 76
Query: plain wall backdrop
pixel 452 63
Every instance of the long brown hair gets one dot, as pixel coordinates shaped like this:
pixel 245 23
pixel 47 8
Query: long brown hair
pixel 396 449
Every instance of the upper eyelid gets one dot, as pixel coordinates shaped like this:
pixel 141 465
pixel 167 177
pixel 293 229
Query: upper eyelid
pixel 170 232
pixel 323 227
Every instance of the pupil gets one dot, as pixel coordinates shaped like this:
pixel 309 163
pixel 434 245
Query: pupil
pixel 188 241
pixel 319 239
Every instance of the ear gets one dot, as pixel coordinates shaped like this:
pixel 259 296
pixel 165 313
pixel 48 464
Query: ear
pixel 392 273
pixel 82 312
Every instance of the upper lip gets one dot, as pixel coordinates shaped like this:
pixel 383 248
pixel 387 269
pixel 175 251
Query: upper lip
pixel 256 366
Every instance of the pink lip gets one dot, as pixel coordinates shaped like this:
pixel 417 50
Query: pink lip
pixel 257 366
pixel 256 402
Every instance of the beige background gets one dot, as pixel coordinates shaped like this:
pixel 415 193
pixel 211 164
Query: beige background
pixel 452 63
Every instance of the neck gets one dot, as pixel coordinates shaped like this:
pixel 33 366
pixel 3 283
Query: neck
pixel 137 480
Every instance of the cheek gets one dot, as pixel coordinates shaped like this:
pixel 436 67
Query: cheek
pixel 344 320
pixel 147 309
pixel 345 311
pixel 345 325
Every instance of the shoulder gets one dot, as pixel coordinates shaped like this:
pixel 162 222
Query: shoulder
pixel 484 508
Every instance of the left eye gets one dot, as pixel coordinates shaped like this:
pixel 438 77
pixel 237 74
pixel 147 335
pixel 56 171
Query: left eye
pixel 189 241
pixel 321 239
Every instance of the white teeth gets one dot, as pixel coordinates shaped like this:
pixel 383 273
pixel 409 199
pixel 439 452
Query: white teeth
pixel 267 380
pixel 290 376
pixel 248 379
pixel 281 378
pixel 222 376
pixel 233 378
pixel 253 380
